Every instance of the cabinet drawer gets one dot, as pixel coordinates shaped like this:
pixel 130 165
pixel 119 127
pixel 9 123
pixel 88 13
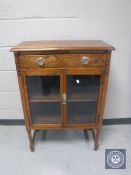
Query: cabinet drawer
pixel 83 60
pixel 39 61
pixel 63 60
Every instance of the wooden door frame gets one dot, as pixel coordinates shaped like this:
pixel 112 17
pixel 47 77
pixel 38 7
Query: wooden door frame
pixel 45 72
pixel 84 71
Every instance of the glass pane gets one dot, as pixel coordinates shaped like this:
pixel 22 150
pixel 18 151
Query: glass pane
pixel 82 98
pixel 44 99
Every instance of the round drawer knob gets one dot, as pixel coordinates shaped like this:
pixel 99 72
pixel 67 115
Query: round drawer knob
pixel 85 60
pixel 40 61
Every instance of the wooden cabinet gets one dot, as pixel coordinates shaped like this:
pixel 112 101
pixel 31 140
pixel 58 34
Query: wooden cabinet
pixel 63 84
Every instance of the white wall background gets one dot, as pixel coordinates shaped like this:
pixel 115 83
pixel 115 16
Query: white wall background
pixel 108 20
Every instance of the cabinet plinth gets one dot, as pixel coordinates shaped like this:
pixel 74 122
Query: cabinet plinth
pixel 63 84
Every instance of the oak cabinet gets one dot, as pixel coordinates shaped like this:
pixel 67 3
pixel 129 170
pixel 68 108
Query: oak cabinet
pixel 63 84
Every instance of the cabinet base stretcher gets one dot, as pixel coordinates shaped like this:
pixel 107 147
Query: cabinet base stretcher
pixel 31 136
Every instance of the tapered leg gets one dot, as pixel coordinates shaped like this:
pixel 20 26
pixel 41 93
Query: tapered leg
pixel 31 140
pixel 96 138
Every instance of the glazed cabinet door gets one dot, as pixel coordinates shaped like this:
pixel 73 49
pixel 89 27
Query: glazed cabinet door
pixel 43 95
pixel 83 95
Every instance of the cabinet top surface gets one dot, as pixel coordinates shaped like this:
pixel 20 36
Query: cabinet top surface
pixel 50 45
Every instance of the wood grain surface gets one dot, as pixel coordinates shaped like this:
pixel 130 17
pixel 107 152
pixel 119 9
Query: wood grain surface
pixel 62 45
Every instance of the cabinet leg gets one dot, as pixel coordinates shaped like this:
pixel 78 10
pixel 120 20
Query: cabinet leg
pixel 96 138
pixel 31 140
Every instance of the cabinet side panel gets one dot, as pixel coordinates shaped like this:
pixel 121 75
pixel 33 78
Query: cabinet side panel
pixel 22 93
pixel 104 88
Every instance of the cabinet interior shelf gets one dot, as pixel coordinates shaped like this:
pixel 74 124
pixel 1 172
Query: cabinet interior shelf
pixel 50 98
pixel 73 98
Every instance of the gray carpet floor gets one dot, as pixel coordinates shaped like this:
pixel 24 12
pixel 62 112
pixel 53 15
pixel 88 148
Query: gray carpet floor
pixel 62 152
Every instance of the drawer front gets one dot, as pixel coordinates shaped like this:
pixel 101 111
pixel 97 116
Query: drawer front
pixel 38 61
pixel 83 60
pixel 64 60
